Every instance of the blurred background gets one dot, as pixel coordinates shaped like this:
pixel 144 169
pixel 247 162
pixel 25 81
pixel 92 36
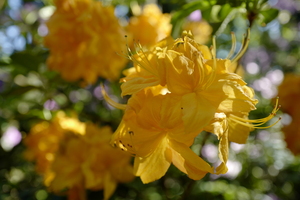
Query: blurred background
pixel 266 168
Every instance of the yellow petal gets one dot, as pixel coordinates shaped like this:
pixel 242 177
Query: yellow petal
pixel 109 186
pixel 135 140
pixel 155 165
pixel 68 174
pixel 237 99
pixel 223 153
pixel 179 76
pixel 122 173
pixel 188 162
pixel 238 133
pixel 136 84
pixel 215 93
pixel 220 128
pixel 197 112
pixel 221 169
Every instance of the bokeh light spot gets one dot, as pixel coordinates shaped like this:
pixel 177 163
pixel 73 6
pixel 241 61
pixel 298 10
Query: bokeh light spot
pixel 10 138
pixel 252 68
pixel 41 195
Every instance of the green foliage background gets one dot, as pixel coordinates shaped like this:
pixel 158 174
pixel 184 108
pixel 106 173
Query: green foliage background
pixel 265 168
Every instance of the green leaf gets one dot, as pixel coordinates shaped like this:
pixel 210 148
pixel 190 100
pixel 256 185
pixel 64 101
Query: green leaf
pixel 269 15
pixel 189 8
pixel 179 16
pixel 233 3
pixel 4 62
pixel 219 13
pixel 214 15
pixel 18 91
pixel 26 60
pixel 225 10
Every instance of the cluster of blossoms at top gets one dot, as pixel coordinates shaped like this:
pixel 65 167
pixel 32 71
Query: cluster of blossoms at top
pixel 85 36
pixel 199 27
pixel 149 26
pixel 83 39
pixel 178 89
pixel 289 93
pixel 74 156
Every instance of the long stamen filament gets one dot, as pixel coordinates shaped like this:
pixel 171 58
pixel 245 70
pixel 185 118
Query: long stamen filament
pixel 110 101
pixel 143 53
pixel 257 126
pixel 214 55
pixel 257 122
pixel 231 52
pixel 144 60
pixel 202 75
pixel 244 47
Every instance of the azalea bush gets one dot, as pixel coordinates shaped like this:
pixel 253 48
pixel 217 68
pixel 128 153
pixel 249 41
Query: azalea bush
pixel 149 99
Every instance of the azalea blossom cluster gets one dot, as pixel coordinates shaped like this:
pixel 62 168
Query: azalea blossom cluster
pixel 179 89
pixel 74 156
pixel 289 93
pixel 149 26
pixel 200 29
pixel 85 36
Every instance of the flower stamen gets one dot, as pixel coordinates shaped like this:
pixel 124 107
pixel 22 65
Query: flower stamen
pixel 142 55
pixel 110 101
pixel 256 123
pixel 243 48
pixel 233 46
pixel 212 76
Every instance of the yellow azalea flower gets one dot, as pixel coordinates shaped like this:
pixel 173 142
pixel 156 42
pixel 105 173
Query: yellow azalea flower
pixel 42 143
pixel 292 136
pixel 200 29
pixel 150 26
pixel 234 127
pixel 179 88
pixel 44 139
pixel 190 70
pixel 237 69
pixel 231 123
pixel 80 32
pixel 90 160
pixel 152 130
pixel 67 163
pixel 147 72
pixel 82 157
pixel 290 96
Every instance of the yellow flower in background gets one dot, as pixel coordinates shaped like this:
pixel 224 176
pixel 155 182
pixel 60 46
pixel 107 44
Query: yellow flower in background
pixel 150 26
pixel 66 166
pixel 292 136
pixel 42 143
pixel 90 161
pixel 153 131
pixel 289 94
pixel 82 157
pixel 200 29
pixel 84 38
